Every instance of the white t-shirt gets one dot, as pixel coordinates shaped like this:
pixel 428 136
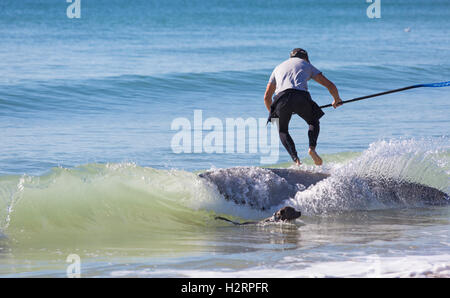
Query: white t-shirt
pixel 293 73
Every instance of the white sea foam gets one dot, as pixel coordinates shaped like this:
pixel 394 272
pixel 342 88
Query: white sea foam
pixel 365 182
pixel 362 266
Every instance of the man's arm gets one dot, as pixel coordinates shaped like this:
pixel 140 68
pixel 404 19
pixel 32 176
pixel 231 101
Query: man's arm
pixel 322 80
pixel 270 90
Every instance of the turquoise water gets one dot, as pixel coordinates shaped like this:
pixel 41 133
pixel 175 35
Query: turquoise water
pixel 86 164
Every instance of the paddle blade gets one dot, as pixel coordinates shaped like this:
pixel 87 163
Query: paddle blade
pixel 442 84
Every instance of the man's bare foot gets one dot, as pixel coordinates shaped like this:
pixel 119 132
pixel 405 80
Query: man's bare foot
pixel 317 160
pixel 297 162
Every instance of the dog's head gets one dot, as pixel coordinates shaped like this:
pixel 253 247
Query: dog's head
pixel 286 213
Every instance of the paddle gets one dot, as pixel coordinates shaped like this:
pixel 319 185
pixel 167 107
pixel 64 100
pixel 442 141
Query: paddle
pixel 443 84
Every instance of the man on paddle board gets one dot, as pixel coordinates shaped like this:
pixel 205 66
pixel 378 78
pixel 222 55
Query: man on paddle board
pixel 289 84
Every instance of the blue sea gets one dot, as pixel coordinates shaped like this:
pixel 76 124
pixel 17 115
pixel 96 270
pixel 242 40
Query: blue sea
pixel 88 166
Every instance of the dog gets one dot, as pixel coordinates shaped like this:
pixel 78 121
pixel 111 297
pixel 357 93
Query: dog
pixel 283 215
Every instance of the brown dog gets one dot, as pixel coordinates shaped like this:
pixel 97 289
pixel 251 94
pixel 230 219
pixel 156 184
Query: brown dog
pixel 284 214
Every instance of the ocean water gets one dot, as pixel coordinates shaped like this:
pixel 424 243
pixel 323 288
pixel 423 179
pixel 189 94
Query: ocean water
pixel 86 162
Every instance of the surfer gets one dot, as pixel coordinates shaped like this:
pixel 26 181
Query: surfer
pixel 289 84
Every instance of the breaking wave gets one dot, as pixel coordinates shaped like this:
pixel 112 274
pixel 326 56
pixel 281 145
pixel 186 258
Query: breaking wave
pixel 389 174
pixel 95 202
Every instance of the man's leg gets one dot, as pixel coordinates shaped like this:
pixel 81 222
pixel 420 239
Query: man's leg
pixel 304 108
pixel 285 114
pixel 313 134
